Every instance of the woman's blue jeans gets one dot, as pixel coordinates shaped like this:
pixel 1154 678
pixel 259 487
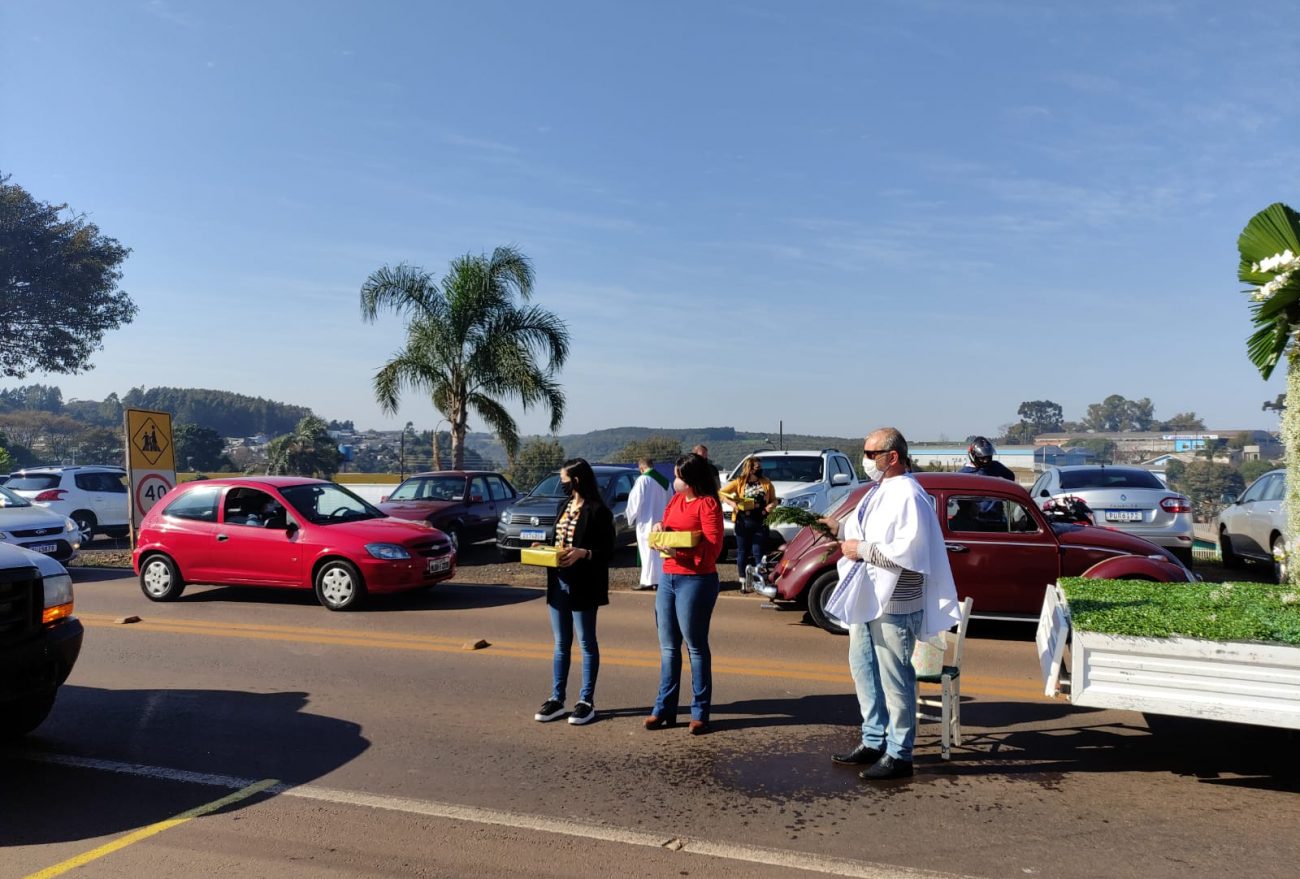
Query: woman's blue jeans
pixel 683 608
pixel 751 534
pixel 563 622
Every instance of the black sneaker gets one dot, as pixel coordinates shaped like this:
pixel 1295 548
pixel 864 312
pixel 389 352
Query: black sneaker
pixel 583 712
pixel 550 710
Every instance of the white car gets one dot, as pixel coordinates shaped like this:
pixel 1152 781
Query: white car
pixel 1254 525
pixel 24 524
pixel 94 497
pixel 811 480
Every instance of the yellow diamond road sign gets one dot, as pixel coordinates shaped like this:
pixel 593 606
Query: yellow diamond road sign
pixel 150 441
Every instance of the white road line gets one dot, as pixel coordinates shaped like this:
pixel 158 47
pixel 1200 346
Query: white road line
pixel 752 854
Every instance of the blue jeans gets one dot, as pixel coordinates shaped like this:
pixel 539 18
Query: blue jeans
pixel 683 608
pixel 562 625
pixel 750 537
pixel 880 660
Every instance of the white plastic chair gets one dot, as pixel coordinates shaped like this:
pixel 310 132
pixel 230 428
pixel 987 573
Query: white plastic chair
pixel 949 680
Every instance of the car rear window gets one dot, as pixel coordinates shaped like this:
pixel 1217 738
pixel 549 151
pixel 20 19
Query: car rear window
pixel 1105 477
pixel 33 482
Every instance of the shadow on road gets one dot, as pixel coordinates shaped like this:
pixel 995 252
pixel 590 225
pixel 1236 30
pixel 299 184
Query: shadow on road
pixel 444 596
pixel 224 732
pixel 1212 751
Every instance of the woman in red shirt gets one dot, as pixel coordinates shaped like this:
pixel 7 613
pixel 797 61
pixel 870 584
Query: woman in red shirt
pixel 687 593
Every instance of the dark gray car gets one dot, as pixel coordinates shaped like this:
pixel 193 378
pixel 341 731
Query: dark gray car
pixel 531 519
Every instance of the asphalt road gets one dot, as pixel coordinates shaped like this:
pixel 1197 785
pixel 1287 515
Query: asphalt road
pixel 253 733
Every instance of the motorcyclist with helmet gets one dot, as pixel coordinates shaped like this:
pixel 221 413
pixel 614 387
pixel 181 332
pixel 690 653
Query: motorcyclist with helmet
pixel 980 453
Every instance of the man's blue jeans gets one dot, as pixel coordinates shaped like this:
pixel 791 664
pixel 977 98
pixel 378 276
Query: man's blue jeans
pixel 880 660
pixel 683 609
pixel 563 623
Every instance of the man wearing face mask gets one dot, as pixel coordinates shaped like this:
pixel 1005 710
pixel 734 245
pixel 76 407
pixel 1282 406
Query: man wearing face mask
pixel 895 586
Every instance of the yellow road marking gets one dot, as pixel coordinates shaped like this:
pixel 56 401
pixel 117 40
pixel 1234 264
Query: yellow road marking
pixel 626 657
pixel 152 829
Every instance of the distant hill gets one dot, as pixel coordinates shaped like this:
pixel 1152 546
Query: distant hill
pixel 726 444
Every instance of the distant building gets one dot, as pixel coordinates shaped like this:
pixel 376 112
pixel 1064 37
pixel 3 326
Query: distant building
pixel 1142 445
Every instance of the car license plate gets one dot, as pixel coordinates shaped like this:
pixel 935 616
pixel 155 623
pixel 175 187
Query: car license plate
pixel 437 566
pixel 532 534
pixel 44 547
pixel 1123 515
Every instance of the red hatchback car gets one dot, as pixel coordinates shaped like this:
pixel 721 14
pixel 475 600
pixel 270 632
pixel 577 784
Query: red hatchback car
pixel 285 531
pixel 1003 552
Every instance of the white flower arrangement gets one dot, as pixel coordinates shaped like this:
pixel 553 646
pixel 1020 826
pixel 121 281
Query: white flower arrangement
pixel 1284 264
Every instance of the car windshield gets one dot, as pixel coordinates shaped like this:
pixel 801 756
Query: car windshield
pixel 33 481
pixel 791 469
pixel 550 486
pixel 9 499
pixel 430 488
pixel 328 504
pixel 1108 477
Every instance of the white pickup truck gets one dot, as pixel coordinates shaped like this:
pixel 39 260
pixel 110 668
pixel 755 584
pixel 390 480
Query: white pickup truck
pixel 810 479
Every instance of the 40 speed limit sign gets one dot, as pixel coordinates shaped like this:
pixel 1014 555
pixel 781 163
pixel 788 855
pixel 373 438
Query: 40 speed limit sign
pixel 150 486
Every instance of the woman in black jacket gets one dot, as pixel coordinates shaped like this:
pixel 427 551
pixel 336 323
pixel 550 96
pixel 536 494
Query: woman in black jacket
pixel 578 587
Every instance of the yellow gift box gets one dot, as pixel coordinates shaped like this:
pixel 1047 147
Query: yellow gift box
pixel 745 504
pixel 546 556
pixel 674 539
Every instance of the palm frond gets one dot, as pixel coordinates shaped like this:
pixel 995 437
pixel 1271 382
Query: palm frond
pixel 405 289
pixel 1273 230
pixel 497 419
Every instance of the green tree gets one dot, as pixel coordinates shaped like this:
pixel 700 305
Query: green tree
pixel 58 285
pixel 1183 422
pixel 199 448
pixel 308 451
pixel 469 344
pixel 1044 416
pixel 1021 433
pixel 1117 413
pixel 1174 471
pixel 1252 470
pixel 6 462
pixel 99 445
pixel 656 448
pixel 537 459
pixel 1206 482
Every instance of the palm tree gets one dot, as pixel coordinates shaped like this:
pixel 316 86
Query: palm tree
pixel 308 451
pixel 1270 263
pixel 470 344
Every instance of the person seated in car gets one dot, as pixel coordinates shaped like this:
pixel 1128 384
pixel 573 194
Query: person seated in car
pixel 967 517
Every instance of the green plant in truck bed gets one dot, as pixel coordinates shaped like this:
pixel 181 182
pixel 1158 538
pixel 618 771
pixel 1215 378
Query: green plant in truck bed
pixel 1212 611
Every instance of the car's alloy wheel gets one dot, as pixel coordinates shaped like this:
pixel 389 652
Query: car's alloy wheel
pixel 159 579
pixel 453 534
pixel 1281 565
pixel 85 523
pixel 820 593
pixel 339 586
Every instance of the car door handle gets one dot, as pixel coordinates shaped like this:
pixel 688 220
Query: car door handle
pixel 957 547
pixel 222 537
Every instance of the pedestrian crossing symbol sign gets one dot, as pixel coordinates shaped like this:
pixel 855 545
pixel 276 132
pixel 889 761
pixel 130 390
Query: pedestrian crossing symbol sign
pixel 150 440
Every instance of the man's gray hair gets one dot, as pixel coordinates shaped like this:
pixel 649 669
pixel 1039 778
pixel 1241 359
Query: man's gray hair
pixel 892 440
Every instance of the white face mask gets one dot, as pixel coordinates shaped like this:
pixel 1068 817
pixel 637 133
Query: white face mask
pixel 869 467
pixel 679 486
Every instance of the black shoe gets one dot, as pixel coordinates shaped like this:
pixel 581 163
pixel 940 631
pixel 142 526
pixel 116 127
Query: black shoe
pixel 549 711
pixel 887 767
pixel 582 713
pixel 859 756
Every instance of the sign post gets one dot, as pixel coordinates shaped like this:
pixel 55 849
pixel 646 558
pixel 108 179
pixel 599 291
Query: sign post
pixel 150 461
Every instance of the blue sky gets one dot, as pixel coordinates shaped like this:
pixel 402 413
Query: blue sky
pixel 837 215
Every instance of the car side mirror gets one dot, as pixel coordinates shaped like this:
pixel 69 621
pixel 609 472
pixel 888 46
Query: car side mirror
pixel 1228 499
pixel 290 529
pixel 383 498
pixel 840 479
pixel 1044 493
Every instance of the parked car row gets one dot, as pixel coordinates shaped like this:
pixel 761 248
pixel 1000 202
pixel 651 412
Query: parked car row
pixel 95 497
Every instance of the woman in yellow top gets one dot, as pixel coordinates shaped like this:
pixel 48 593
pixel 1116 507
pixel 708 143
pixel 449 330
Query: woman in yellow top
pixel 752 497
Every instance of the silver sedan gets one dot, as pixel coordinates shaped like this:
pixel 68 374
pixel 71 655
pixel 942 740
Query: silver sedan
pixel 1253 526
pixel 1129 499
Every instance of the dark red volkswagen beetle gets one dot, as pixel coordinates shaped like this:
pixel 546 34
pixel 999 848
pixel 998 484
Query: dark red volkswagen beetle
pixel 1003 551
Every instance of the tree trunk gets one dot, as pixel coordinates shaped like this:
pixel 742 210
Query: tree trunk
pixel 458 444
pixel 1291 442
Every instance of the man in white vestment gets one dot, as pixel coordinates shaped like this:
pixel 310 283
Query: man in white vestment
pixel 895 586
pixel 645 506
